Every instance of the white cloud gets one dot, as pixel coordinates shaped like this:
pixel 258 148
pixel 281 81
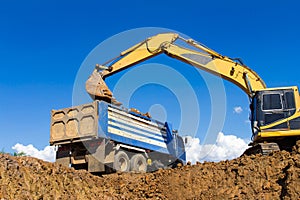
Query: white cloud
pixel 247 121
pixel 47 154
pixel 238 109
pixel 227 147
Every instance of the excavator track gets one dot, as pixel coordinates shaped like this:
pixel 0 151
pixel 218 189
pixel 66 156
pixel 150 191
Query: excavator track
pixel 262 148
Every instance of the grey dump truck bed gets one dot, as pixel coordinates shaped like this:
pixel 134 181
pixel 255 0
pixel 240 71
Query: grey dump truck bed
pixel 75 123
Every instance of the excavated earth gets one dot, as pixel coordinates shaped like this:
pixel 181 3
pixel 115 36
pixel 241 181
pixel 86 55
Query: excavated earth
pixel 276 176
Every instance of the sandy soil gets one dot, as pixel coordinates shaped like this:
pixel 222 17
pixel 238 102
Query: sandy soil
pixel 276 176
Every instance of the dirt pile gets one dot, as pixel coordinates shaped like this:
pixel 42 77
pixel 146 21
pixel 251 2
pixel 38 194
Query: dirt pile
pixel 276 176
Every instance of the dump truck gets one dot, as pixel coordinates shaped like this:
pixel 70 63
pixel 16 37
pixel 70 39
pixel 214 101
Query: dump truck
pixel 104 138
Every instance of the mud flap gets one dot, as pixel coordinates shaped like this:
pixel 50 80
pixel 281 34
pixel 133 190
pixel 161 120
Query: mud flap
pixel 96 159
pixel 64 161
pixel 63 156
pixel 94 165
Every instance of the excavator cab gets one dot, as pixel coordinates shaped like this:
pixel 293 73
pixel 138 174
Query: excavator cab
pixel 271 109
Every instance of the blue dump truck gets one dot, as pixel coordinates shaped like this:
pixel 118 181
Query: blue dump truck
pixel 103 138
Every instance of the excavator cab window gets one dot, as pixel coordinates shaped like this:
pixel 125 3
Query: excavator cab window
pixel 290 100
pixel 272 102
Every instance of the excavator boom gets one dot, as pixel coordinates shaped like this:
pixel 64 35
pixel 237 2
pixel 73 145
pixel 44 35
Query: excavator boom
pixel 198 55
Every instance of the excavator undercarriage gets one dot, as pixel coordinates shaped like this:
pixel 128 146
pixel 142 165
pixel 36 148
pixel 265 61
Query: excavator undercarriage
pixel 271 145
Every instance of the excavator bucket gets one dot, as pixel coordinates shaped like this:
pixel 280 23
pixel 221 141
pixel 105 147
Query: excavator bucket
pixel 98 90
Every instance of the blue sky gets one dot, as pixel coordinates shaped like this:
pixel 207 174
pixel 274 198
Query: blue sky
pixel 44 43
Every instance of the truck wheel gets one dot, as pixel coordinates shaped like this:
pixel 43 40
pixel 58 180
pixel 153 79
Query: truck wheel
pixel 121 162
pixel 138 163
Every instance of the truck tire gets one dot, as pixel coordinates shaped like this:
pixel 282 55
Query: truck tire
pixel 121 162
pixel 138 163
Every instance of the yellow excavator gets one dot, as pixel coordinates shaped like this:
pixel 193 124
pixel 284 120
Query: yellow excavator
pixel 275 112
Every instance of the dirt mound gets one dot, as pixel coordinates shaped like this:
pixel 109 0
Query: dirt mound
pixel 276 176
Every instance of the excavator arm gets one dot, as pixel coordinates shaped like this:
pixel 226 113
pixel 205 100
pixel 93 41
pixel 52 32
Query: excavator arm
pixel 195 54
